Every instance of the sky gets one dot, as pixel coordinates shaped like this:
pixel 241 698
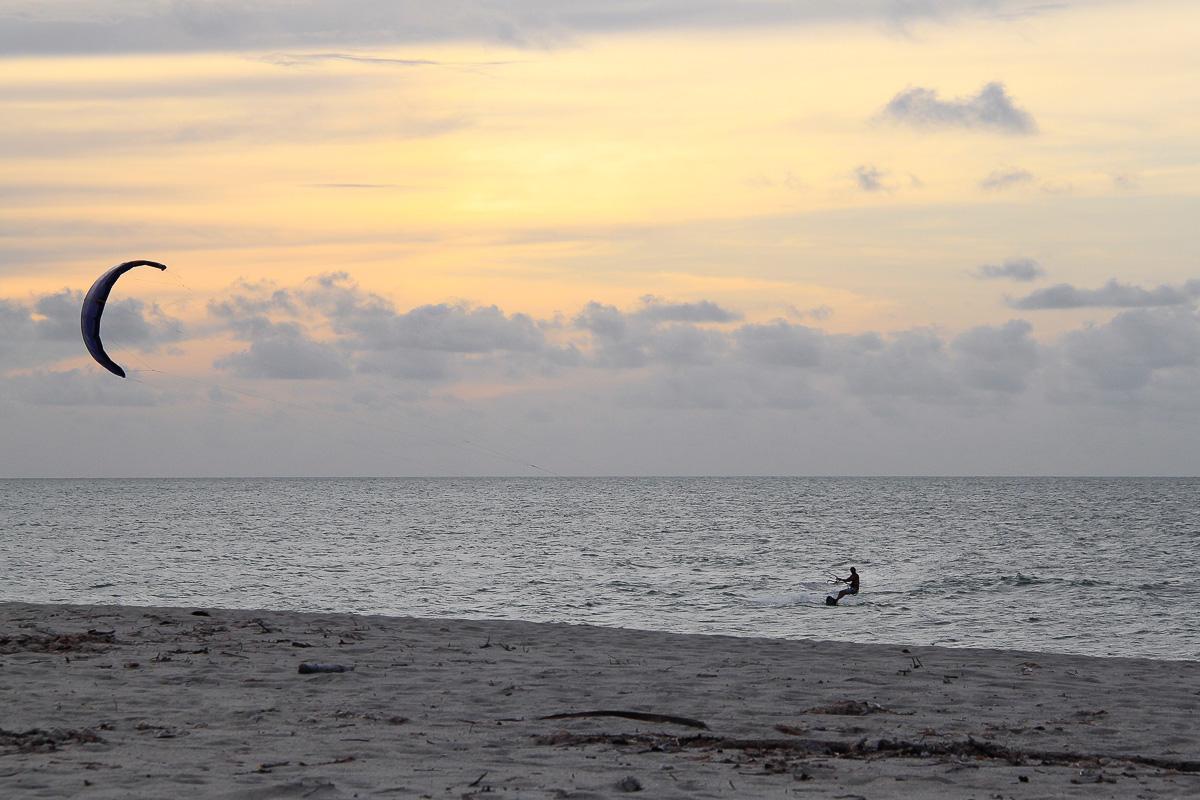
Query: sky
pixel 601 237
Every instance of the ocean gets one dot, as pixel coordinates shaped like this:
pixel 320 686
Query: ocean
pixel 1099 566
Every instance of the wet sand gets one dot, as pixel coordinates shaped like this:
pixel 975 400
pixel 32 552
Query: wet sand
pixel 134 702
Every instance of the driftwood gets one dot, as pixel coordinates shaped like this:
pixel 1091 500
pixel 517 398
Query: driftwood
pixel 93 641
pixel 850 708
pixel 309 667
pixel 638 715
pixel 862 749
pixel 37 740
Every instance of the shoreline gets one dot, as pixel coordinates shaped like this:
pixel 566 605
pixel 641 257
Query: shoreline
pixel 588 624
pixel 514 620
pixel 146 701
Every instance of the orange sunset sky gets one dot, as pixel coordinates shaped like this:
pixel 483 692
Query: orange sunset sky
pixel 602 238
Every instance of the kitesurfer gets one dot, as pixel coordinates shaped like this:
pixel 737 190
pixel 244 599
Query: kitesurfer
pixel 852 580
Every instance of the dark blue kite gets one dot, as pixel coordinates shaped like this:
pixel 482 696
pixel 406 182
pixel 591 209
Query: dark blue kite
pixel 93 308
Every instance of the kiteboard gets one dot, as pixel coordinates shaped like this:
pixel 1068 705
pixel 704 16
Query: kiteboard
pixel 830 600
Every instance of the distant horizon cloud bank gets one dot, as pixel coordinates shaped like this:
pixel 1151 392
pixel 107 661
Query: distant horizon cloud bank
pixel 361 357
pixel 327 328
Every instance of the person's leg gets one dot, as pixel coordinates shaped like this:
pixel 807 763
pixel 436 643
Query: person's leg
pixel 843 593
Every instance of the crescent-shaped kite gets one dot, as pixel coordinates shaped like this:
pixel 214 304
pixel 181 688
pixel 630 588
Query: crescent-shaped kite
pixel 93 307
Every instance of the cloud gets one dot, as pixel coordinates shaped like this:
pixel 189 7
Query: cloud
pixel 678 352
pixel 253 299
pixel 781 344
pixel 366 333
pixel 128 26
pixel 47 328
pixel 1013 269
pixel 818 313
pixel 1005 178
pixel 657 333
pixel 996 359
pixel 283 351
pixel 1125 354
pixel 910 364
pixel 1124 181
pixel 626 378
pixel 869 178
pixel 303 59
pixel 129 321
pixel 370 322
pixel 656 310
pixel 77 387
pixel 1112 295
pixel 990 109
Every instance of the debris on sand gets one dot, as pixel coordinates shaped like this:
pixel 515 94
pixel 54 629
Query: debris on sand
pixel 37 740
pixel 92 641
pixel 850 708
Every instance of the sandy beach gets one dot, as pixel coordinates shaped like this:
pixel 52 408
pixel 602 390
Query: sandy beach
pixel 120 702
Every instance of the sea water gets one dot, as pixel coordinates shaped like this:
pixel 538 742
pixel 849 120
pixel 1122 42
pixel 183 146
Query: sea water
pixel 1090 566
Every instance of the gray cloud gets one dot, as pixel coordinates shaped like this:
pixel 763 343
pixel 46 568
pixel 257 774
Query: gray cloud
pixel 47 328
pixel 284 351
pixel 436 342
pixel 1112 295
pixel 448 328
pixel 303 59
pixel 819 313
pixel 16 329
pixel 991 108
pixel 112 93
pixel 253 299
pixel 673 344
pixel 1125 354
pixel 129 322
pixel 909 364
pixel 689 362
pixel 996 359
pixel 76 387
pixel 120 26
pixel 781 344
pixel 869 178
pixel 662 333
pixel 371 322
pixel 1013 269
pixel 703 311
pixel 1005 178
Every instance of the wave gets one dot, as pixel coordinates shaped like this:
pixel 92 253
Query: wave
pixel 1021 579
